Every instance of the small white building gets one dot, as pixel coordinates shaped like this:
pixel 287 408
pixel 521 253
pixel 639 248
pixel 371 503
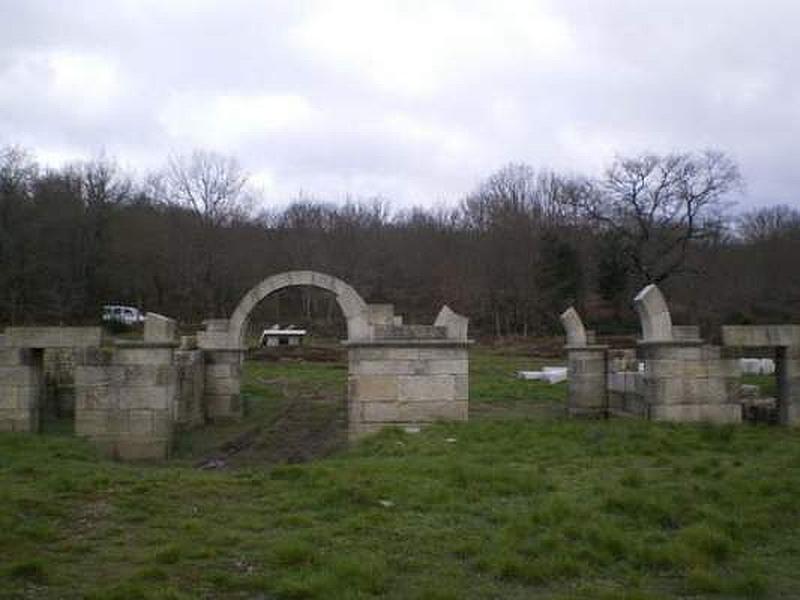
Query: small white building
pixel 288 336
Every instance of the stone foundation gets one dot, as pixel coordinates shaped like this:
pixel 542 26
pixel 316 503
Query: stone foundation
pixel 21 386
pixel 586 381
pixel 406 382
pixel 126 400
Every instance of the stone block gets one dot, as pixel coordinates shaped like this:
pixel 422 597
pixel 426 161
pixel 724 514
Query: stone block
pixel 158 328
pixel 760 336
pixel 222 385
pixel 373 387
pixel 443 353
pixel 14 357
pixel 220 407
pixel 419 388
pixel 224 357
pixel 455 325
pixel 19 376
pixel 148 397
pixel 386 367
pixel 663 390
pixel 461 387
pixel 143 355
pixel 223 371
pixel 415 412
pixel 91 423
pixel 685 413
pixel 54 337
pixel 217 340
pixel 447 367
pixel 381 314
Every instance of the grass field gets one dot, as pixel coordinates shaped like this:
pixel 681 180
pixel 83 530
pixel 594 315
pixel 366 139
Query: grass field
pixel 517 503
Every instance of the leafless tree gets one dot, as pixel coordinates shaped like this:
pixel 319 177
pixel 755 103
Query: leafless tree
pixel 768 223
pixel 213 186
pixel 658 206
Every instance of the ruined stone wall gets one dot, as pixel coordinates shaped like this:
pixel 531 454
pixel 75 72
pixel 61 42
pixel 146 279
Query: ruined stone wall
pixel 624 384
pixel 59 376
pixel 586 381
pixel 223 376
pixel 21 385
pixel 406 382
pixel 190 410
pixel 126 400
pixel 689 381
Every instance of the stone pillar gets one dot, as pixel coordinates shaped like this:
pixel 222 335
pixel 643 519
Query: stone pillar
pixel 223 356
pixel 190 409
pixel 787 371
pixel 587 393
pixel 21 388
pixel 223 381
pixel 686 381
pixel 126 399
pixel 406 382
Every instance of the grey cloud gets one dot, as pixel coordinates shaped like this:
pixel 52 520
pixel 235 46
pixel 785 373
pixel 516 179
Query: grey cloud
pixel 637 75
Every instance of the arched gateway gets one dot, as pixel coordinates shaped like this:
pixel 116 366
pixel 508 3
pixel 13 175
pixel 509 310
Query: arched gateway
pixel 353 306
pixel 398 374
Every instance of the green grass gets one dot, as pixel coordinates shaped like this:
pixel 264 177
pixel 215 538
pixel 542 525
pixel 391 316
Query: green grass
pixel 768 384
pixel 493 508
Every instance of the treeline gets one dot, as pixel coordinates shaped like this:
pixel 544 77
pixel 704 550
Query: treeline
pixel 187 242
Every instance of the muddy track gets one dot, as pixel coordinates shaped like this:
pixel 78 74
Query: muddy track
pixel 308 427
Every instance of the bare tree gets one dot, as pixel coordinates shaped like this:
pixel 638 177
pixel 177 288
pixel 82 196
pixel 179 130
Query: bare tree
pixel 658 206
pixel 213 186
pixel 769 223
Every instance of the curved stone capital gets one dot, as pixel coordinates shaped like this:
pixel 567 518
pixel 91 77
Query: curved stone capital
pixel 576 333
pixel 352 305
pixel 654 314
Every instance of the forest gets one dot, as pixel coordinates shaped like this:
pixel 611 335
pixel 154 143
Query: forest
pixel 189 239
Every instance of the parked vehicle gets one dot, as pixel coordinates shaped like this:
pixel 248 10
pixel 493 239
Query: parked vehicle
pixel 126 315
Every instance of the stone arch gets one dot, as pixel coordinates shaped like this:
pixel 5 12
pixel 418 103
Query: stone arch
pixel 653 314
pixel 353 306
pixel 576 333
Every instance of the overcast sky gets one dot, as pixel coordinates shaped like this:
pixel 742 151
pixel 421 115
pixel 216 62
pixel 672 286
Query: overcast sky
pixel 414 101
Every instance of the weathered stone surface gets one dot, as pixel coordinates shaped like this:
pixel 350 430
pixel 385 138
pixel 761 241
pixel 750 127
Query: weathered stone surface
pixel 53 337
pixel 586 380
pixel 712 413
pixel 576 333
pixel 158 328
pixel 434 387
pixel 760 336
pixel 454 324
pixel 654 314
pixel 381 314
pixel 414 412
pixel 13 357
pixel 220 407
pixel 374 387
pixel 143 355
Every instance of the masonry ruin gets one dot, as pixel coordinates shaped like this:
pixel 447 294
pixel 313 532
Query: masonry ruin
pixel 130 397
pixel 673 374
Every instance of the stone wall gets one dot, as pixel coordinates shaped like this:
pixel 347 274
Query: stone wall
pixel 406 383
pixel 58 401
pixel 126 400
pixel 21 385
pixel 223 376
pixel 624 384
pixel 190 409
pixel 689 381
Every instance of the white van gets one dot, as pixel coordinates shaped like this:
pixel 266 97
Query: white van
pixel 127 315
